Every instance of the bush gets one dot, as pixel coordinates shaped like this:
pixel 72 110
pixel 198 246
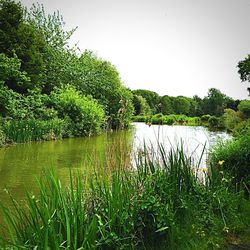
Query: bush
pixel 244 107
pixel 236 154
pixel 231 119
pixel 2 137
pixel 85 115
pixel 205 118
pixel 242 128
pixel 169 120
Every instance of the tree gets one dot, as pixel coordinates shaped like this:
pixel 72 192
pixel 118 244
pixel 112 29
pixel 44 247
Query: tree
pixel 214 102
pixel 244 107
pixel 244 70
pixel 152 98
pixel 167 105
pixel 20 38
pixel 11 75
pixel 101 79
pixel 85 115
pixel 196 106
pixel 140 105
pixel 181 105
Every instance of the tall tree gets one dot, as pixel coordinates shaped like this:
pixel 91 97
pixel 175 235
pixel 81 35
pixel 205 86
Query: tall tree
pixel 181 105
pixel 152 98
pixel 244 70
pixel 20 38
pixel 214 103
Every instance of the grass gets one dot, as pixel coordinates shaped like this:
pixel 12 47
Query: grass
pixel 160 204
pixel 169 120
pixel 32 130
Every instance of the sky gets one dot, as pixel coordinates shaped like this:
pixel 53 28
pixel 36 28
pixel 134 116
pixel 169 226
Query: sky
pixel 172 47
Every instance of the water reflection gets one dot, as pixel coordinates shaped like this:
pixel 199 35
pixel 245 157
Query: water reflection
pixel 20 164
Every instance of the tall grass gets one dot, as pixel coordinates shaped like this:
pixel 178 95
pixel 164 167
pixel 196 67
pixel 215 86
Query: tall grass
pixel 33 130
pixel 160 204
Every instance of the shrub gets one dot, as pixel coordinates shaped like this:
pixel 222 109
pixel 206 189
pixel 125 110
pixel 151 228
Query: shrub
pixel 231 119
pixel 205 118
pixel 244 107
pixel 236 154
pixel 169 120
pixel 85 115
pixel 213 122
pixel 242 128
pixel 2 137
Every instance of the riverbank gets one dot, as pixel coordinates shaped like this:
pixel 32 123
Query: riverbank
pixel 209 121
pixel 161 204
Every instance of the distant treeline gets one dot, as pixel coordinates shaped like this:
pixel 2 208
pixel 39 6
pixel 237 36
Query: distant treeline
pixel 149 102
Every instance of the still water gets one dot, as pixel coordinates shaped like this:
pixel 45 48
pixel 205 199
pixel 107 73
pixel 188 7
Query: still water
pixel 21 164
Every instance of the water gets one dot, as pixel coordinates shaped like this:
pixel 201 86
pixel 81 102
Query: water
pixel 21 164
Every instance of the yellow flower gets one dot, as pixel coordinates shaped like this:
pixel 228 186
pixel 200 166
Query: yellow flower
pixel 221 162
pixel 204 170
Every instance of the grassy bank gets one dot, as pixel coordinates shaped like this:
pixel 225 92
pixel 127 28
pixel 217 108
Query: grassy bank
pixel 160 204
pixel 205 120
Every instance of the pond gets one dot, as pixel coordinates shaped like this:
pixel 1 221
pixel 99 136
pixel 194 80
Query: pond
pixel 21 164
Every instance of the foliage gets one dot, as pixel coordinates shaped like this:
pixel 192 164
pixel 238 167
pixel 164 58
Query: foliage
pixel 11 75
pixel 140 105
pixel 167 105
pixel 161 204
pixel 102 81
pixel 168 120
pixel 181 105
pixel 20 38
pixel 242 128
pixel 236 154
pixel 33 130
pixel 152 98
pixel 231 119
pixel 214 102
pixel 2 136
pixel 244 107
pixel 86 116
pixel 244 70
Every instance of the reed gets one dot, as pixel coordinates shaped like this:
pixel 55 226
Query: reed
pixel 33 130
pixel 161 203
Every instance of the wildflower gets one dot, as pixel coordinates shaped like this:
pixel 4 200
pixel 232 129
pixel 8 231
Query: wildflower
pixel 226 229
pixel 222 173
pixel 204 170
pixel 221 162
pixel 224 180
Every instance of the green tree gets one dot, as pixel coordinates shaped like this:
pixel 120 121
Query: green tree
pixel 84 114
pixel 196 106
pixel 214 103
pixel 61 62
pixel 231 118
pixel 244 70
pixel 20 38
pixel 140 105
pixel 152 98
pixel 167 105
pixel 244 107
pixel 181 105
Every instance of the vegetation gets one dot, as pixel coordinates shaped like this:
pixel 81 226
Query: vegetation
pixel 163 203
pixel 236 155
pixel 44 81
pixel 244 70
pixel 213 104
